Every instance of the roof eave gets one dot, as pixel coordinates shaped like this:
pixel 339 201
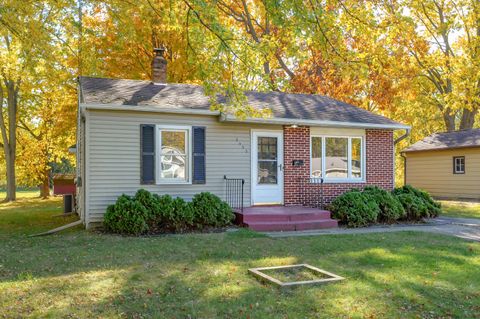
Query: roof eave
pixel 440 149
pixel 288 121
pixel 230 118
pixel 146 108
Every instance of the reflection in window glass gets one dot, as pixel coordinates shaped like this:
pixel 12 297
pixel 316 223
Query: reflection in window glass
pixel 267 172
pixel 174 140
pixel 267 160
pixel 173 154
pixel 356 159
pixel 336 162
pixel 316 160
pixel 267 148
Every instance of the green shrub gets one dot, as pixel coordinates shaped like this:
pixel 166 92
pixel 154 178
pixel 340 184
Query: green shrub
pixel 147 212
pixel 150 202
pixel 182 217
pixel 355 209
pixel 126 216
pixel 390 207
pixel 433 208
pixel 414 206
pixel 210 210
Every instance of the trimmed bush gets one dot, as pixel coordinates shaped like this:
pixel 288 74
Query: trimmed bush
pixel 433 208
pixel 150 202
pixel 355 209
pixel 126 216
pixel 414 206
pixel 210 210
pixel 360 208
pixel 147 212
pixel 182 217
pixel 391 208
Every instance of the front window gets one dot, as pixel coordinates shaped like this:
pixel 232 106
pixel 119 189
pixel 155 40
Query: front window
pixel 173 155
pixel 337 158
pixel 459 165
pixel 316 161
pixel 356 158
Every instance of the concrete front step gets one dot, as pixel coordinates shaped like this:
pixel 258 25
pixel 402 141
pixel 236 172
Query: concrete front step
pixel 292 225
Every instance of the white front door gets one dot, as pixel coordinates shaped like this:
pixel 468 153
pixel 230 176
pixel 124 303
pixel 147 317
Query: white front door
pixel 267 167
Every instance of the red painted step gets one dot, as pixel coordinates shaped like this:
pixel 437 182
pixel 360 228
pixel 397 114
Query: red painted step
pixel 292 226
pixel 282 217
pixel 285 218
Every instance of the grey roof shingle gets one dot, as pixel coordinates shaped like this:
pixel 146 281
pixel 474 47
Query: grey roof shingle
pixel 185 96
pixel 446 140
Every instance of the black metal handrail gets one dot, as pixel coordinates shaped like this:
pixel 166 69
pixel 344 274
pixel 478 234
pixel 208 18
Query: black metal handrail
pixel 234 192
pixel 311 192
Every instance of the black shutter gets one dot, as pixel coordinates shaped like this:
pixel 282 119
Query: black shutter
pixel 199 176
pixel 147 154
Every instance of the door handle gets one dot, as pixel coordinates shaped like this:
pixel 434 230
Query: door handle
pixel 281 167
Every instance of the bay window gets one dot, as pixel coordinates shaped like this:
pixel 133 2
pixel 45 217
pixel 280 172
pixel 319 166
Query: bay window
pixel 336 158
pixel 173 155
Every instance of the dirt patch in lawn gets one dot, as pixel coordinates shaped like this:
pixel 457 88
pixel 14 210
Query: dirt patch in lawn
pixel 294 275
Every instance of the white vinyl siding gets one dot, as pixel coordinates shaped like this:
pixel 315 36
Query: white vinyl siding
pixel 113 161
pixel 80 169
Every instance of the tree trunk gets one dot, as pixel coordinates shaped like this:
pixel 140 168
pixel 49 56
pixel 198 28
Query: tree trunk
pixel 449 121
pixel 11 180
pixel 9 135
pixel 468 119
pixel 45 186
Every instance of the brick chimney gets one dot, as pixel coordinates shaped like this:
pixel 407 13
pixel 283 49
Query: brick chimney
pixel 159 66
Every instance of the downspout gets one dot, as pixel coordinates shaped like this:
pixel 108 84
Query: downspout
pixel 400 138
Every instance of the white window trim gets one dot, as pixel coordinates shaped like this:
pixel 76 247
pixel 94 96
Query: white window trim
pixel 349 179
pixel 189 157
pixel 455 171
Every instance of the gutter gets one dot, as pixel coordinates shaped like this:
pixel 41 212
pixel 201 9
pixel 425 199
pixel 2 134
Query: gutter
pixel 145 108
pixel 282 121
pixel 229 118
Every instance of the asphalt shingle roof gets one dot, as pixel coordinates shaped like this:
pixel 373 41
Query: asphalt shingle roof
pixel 185 96
pixel 439 141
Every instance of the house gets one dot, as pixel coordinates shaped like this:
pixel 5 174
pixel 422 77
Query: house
pixel 164 137
pixel 447 165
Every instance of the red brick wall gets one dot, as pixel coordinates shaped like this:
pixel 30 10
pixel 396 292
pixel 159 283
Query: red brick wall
pixel 379 166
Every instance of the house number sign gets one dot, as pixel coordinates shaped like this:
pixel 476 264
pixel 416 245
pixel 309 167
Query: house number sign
pixel 297 162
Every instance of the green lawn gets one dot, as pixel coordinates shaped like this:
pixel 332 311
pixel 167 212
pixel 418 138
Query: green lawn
pixel 22 194
pixel 83 275
pixel 461 209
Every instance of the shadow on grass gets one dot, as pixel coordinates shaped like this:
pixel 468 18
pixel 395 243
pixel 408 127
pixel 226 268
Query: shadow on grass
pixel 85 274
pixel 206 275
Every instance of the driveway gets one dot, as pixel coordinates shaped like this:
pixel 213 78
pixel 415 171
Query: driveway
pixel 466 228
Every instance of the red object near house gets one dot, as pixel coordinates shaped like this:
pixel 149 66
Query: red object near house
pixel 64 184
